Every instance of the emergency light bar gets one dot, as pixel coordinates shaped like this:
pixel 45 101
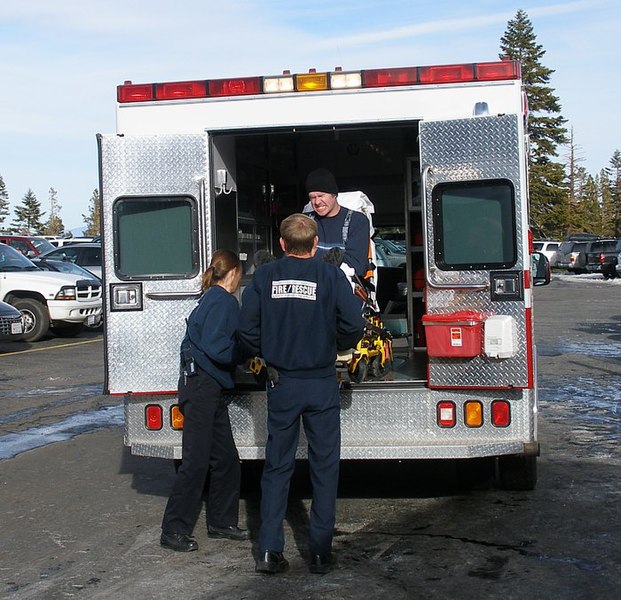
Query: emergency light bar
pixel 313 81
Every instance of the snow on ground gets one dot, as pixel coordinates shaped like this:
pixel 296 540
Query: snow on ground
pixel 586 278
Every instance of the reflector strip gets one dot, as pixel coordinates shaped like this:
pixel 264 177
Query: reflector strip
pixel 180 89
pixel 153 417
pixel 501 413
pixel 446 414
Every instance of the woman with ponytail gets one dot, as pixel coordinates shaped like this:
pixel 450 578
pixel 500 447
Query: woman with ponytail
pixel 209 353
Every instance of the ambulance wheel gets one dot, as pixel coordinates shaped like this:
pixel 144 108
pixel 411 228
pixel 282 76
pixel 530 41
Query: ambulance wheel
pixel 35 316
pixel 359 374
pixel 517 472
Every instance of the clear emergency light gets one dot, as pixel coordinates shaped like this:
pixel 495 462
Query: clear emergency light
pixel 316 82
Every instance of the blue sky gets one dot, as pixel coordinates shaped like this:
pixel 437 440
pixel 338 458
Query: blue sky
pixel 61 61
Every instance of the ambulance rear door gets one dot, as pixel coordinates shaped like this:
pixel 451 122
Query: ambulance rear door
pixel 478 326
pixel 156 240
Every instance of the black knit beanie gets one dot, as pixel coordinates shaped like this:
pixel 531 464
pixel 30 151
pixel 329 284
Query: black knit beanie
pixel 321 180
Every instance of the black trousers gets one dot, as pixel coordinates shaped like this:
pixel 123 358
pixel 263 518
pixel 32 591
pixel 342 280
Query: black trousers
pixel 208 451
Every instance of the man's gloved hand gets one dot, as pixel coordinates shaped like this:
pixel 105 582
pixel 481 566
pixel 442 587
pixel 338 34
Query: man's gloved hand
pixel 334 256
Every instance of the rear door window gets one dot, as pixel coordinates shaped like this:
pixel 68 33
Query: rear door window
pixel 474 225
pixel 156 237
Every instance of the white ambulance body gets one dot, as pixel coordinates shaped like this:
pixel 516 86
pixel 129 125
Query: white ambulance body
pixel 441 152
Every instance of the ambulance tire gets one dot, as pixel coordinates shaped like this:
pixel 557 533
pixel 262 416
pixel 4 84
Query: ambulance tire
pixel 517 472
pixel 360 372
pixel 35 316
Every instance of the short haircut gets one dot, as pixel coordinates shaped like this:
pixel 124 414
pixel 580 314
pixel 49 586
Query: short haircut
pixel 298 233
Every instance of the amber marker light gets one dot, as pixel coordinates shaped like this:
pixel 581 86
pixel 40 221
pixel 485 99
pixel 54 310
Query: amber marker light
pixel 473 413
pixel 176 418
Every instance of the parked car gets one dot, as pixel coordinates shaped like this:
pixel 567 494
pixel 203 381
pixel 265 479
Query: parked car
pixel 389 253
pixel 66 266
pixel 28 245
pixel 571 255
pixel 11 323
pixel 548 248
pixel 602 255
pixel 61 302
pixel 85 254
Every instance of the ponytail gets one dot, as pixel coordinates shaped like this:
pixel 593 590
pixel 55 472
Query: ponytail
pixel 222 262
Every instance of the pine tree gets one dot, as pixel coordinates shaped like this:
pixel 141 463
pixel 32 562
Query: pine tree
pixel 615 193
pixel 28 216
pixel 92 220
pixel 4 202
pixel 54 225
pixel 548 189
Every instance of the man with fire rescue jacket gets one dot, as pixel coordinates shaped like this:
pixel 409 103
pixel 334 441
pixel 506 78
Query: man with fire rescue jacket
pixel 297 312
pixel 338 227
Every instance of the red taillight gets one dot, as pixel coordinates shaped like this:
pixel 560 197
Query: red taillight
pixel 390 77
pixel 240 86
pixel 153 415
pixel 446 414
pixel 180 89
pixel 501 413
pixel 447 74
pixel 129 92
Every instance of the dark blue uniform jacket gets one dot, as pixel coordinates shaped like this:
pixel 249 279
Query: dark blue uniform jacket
pixel 212 329
pixel 330 233
pixel 296 313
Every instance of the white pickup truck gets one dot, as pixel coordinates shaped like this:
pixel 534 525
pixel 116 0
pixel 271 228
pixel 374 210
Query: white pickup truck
pixel 62 302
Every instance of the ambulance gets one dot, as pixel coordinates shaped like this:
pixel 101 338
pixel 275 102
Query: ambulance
pixel 441 152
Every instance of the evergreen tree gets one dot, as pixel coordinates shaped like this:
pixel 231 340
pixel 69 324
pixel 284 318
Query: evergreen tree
pixel 28 216
pixel 548 190
pixel 92 220
pixel 615 193
pixel 54 225
pixel 4 203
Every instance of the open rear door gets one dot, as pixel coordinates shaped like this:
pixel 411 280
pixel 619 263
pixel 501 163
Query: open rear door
pixel 156 238
pixel 478 299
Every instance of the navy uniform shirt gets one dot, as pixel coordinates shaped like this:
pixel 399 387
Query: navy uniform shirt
pixel 212 328
pixel 296 313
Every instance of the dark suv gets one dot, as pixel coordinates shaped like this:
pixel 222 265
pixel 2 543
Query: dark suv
pixel 603 255
pixel 571 255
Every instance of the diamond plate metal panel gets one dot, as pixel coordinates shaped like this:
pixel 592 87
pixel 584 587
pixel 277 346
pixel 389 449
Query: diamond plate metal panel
pixel 465 150
pixel 142 347
pixel 375 424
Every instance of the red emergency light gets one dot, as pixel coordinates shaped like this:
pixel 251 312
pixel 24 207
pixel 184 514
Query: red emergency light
pixel 318 82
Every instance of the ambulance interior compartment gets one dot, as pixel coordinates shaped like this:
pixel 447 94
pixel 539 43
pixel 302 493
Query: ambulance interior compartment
pixel 265 181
